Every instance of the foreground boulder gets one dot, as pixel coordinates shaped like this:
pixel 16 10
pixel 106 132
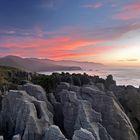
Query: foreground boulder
pixel 24 115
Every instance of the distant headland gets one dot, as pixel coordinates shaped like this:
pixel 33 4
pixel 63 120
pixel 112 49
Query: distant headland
pixel 36 64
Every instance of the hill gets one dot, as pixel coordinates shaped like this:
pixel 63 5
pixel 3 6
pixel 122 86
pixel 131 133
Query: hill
pixel 82 64
pixel 34 64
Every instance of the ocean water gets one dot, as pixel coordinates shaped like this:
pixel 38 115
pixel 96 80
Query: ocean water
pixel 123 76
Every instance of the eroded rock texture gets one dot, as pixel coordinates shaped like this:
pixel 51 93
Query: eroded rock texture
pixel 94 110
pixel 99 110
pixel 24 115
pixel 53 133
pixel 83 134
pixel 129 97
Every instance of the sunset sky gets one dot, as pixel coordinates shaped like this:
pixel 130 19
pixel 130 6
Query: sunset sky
pixel 105 31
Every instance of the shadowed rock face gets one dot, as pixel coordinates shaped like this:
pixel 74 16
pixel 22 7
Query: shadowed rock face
pixel 83 134
pixel 95 111
pixel 129 97
pixel 86 112
pixel 16 137
pixel 38 92
pixel 24 115
pixel 109 81
pixel 53 133
pixel 113 118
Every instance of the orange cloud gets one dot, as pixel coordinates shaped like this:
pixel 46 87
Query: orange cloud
pixel 129 11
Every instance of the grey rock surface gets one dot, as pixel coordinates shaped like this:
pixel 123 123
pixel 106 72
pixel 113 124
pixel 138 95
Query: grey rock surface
pixel 129 97
pixel 38 92
pixel 114 119
pixel 109 82
pixel 94 111
pixel 25 115
pixel 82 134
pixel 53 133
pixel 16 137
pixel 1 138
pixel 79 114
pixel 34 90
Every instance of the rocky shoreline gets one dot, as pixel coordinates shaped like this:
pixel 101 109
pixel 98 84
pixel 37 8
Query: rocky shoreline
pixel 75 107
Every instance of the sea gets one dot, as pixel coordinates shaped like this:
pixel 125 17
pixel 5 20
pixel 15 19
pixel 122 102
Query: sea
pixel 122 76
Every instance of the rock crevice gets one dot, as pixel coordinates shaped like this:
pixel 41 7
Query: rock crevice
pixel 94 111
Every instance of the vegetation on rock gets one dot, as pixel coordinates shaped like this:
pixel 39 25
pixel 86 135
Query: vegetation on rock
pixel 10 77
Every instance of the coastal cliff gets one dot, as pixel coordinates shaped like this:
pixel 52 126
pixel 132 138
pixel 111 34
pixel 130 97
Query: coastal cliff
pixel 70 107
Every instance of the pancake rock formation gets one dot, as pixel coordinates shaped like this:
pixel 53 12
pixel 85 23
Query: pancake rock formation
pixel 99 110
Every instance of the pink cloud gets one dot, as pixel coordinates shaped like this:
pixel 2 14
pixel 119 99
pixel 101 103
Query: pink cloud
pixel 93 5
pixel 61 43
pixel 82 53
pixel 56 47
pixel 59 54
pixel 129 11
pixel 67 54
pixel 74 45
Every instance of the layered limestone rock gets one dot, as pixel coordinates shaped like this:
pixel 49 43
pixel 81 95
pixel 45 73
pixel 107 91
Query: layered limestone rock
pixel 23 114
pixel 36 91
pixel 82 134
pixel 87 112
pixel 53 133
pixel 16 137
pixel 78 114
pixel 129 97
pixel 114 119
pixel 94 110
